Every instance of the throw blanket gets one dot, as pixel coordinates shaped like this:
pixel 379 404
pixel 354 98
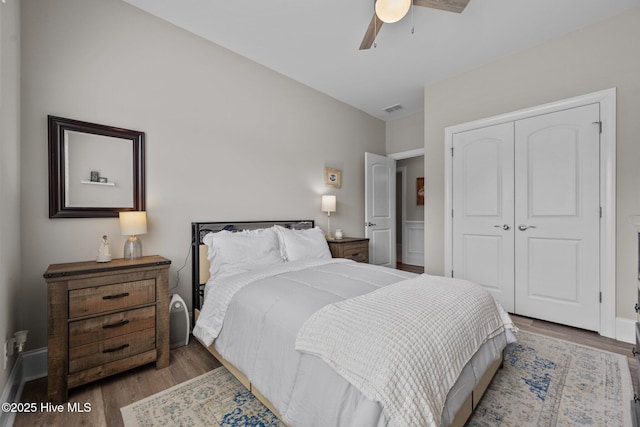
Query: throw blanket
pixel 405 345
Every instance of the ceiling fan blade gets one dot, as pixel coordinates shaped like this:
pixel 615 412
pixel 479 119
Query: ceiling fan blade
pixel 372 32
pixel 456 6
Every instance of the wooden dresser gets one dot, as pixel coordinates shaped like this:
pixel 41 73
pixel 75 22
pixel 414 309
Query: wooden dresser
pixel 105 318
pixel 355 248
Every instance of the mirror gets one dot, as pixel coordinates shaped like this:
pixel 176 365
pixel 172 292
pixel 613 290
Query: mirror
pixel 95 171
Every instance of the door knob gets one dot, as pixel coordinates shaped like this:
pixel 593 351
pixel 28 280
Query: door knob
pixel 523 227
pixel 369 224
pixel 505 227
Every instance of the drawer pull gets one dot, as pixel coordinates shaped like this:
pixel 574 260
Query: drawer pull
pixel 111 350
pixel 116 296
pixel 115 325
pixel 634 352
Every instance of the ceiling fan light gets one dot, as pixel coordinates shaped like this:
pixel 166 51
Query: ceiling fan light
pixel 391 11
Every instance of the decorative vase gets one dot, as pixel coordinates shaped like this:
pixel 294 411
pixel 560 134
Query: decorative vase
pixel 338 234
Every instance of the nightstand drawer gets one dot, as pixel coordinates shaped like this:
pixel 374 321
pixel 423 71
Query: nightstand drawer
pixel 83 332
pixel 101 299
pixel 101 352
pixel 355 248
pixel 356 251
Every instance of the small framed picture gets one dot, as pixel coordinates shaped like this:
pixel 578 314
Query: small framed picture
pixel 420 191
pixel 103 179
pixel 332 177
pixel 95 176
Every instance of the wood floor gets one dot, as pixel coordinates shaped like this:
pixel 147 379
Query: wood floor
pixel 107 396
pixel 411 268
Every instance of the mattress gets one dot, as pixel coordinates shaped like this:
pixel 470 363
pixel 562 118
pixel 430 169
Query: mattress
pixel 259 330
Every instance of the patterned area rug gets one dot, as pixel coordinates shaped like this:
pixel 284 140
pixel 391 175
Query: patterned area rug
pixel 216 398
pixel 544 382
pixel 550 382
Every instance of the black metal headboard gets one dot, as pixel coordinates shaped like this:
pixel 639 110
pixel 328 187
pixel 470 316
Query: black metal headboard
pixel 201 229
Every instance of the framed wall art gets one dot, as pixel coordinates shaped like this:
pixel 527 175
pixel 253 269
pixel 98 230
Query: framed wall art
pixel 332 177
pixel 420 191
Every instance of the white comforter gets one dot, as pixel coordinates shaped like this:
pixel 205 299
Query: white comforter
pixel 215 308
pixel 405 345
pixel 254 318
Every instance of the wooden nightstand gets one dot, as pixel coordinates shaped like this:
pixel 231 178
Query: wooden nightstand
pixel 105 318
pixel 355 248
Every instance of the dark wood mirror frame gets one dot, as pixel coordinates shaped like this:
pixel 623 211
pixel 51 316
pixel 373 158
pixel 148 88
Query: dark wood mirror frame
pixel 57 194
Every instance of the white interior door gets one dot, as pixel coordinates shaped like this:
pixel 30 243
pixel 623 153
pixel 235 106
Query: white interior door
pixel 380 209
pixel 557 213
pixel 483 210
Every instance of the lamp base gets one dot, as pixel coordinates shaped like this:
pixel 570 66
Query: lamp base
pixel 132 248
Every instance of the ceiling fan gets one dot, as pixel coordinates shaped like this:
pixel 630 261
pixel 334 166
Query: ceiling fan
pixel 400 11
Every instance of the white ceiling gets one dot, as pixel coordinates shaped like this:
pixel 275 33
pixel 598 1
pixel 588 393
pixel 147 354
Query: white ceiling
pixel 316 41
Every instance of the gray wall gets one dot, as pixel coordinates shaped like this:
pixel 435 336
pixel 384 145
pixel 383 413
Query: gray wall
pixel 10 283
pixel 405 133
pixel 598 57
pixel 226 139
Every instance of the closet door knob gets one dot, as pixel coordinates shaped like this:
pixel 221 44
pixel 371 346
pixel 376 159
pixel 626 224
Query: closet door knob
pixel 505 227
pixel 523 227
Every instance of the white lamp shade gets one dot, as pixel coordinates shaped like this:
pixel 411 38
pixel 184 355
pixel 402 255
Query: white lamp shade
pixel 328 203
pixel 133 223
pixel 391 11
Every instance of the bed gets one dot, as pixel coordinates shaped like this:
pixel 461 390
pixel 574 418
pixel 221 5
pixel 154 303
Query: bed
pixel 272 317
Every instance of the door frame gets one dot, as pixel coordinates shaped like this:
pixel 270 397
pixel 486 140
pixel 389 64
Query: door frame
pixel 607 100
pixel 402 170
pixel 401 156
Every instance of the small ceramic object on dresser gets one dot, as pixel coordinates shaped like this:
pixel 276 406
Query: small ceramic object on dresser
pixel 338 234
pixel 104 254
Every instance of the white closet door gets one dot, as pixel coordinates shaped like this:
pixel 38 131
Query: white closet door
pixel 483 198
pixel 557 217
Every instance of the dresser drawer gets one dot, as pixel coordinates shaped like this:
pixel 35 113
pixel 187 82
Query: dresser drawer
pixel 83 332
pixel 101 299
pixel 356 251
pixel 101 352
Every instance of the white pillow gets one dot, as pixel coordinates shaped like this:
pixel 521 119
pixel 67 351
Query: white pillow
pixel 303 244
pixel 236 252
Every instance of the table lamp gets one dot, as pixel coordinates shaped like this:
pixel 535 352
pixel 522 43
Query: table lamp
pixel 328 206
pixel 133 224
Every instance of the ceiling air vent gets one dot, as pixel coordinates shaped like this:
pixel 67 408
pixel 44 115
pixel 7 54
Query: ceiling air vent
pixel 393 108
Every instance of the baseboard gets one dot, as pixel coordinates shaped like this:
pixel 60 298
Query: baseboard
pixel 626 330
pixel 30 365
